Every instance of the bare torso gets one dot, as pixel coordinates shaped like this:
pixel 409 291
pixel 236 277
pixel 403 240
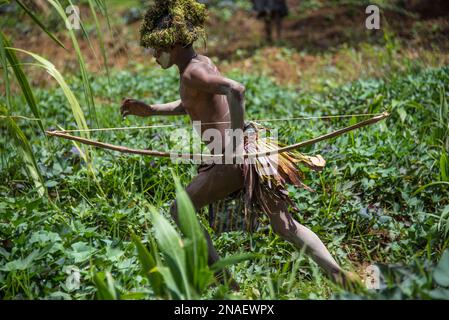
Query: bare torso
pixel 211 109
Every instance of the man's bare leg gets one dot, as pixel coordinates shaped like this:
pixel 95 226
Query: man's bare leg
pixel 301 237
pixel 220 181
pixel 208 187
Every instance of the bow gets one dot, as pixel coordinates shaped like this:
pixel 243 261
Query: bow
pixel 164 154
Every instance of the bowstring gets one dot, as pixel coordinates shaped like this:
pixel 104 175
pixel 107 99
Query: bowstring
pixel 220 122
pixel 19 118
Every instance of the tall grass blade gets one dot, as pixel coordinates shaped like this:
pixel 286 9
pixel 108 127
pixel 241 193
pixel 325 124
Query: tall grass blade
pixel 444 110
pixel 4 65
pixel 21 79
pixel 24 149
pixel 39 23
pixel 73 102
pixel 444 166
pixel 234 259
pixel 430 185
pixel 196 247
pixel 100 38
pixel 444 220
pixel 172 285
pixel 172 247
pixel 149 266
pixel 104 10
pixel 84 74
pixel 105 286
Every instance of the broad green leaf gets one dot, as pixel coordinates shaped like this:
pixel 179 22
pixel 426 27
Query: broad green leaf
pixel 21 264
pixel 441 273
pixel 81 251
pixel 172 247
pixel 43 237
pixel 439 294
pixel 149 263
pixel 4 253
pixel 171 283
pixel 193 231
pixel 105 286
pixel 402 114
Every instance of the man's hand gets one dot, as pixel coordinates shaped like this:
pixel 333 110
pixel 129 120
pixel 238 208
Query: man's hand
pixel 138 108
pixel 133 107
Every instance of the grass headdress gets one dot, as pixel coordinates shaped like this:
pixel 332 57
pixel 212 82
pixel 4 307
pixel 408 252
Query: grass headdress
pixel 168 22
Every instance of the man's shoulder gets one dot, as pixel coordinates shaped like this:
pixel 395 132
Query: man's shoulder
pixel 201 66
pixel 205 60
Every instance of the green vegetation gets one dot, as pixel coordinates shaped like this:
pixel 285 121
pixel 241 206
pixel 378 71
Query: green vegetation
pixel 78 223
pixel 366 207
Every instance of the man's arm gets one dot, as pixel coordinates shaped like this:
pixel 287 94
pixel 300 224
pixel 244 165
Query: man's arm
pixel 201 80
pixel 140 108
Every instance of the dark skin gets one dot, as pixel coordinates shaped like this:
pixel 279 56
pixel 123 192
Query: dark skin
pixel 206 95
pixel 209 97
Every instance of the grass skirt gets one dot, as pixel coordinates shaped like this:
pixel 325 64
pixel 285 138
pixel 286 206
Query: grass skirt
pixel 264 178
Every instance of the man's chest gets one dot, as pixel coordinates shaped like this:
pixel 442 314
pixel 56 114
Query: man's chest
pixel 189 97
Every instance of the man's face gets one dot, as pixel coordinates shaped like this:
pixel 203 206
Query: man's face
pixel 163 57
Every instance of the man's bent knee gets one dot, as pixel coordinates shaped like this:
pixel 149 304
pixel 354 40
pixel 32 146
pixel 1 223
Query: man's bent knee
pixel 281 228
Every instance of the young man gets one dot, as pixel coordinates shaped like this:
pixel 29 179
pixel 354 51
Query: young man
pixel 169 30
pixel 271 11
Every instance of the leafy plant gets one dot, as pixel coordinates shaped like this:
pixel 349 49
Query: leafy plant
pixel 418 281
pixel 176 266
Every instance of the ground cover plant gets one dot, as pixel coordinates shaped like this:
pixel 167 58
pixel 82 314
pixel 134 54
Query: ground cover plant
pixel 78 223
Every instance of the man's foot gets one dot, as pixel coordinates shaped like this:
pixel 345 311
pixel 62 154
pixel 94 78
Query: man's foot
pixel 347 280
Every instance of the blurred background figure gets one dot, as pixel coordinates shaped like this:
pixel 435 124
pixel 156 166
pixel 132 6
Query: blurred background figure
pixel 272 12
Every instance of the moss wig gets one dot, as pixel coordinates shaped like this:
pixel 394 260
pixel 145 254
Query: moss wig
pixel 170 22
